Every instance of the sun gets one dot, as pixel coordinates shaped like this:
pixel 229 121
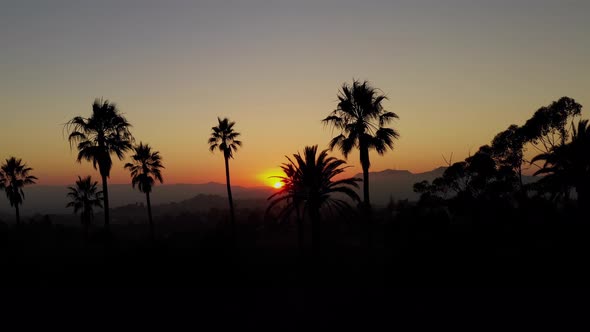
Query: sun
pixel 271 178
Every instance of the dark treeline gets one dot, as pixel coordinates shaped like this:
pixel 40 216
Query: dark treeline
pixel 477 224
pixel 493 175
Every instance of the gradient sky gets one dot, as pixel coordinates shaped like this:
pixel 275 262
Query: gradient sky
pixel 456 73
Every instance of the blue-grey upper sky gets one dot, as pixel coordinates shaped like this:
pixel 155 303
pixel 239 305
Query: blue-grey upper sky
pixel 456 72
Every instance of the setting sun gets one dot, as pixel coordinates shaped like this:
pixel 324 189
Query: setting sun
pixel 271 177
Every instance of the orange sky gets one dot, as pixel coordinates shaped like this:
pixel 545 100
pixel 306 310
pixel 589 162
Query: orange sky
pixel 455 80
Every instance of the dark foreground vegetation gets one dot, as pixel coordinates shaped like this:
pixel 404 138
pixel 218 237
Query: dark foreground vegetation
pixel 536 245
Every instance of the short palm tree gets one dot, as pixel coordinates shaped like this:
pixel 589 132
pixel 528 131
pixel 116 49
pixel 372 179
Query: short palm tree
pixel 361 119
pixel 309 186
pixel 84 196
pixel 224 138
pixel 145 170
pixel 14 175
pixel 569 163
pixel 293 200
pixel 104 133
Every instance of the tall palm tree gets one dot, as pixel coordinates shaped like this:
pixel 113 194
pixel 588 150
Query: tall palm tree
pixel 569 163
pixel 224 138
pixel 14 175
pixel 145 170
pixel 84 196
pixel 361 118
pixel 104 133
pixel 309 186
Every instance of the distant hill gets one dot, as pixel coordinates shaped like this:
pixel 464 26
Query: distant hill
pixel 52 199
pixel 398 184
pixel 196 204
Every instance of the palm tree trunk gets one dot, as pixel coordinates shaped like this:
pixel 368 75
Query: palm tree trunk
pixel 149 208
pixel 84 220
pixel 300 238
pixel 365 163
pixel 107 217
pixel 231 201
pixel 17 215
pixel 366 199
pixel 86 231
pixel 315 231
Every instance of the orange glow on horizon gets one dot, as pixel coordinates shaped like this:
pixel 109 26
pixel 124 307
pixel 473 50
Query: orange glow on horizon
pixel 270 177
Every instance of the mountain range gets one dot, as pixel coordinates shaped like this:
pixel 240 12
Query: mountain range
pixel 41 199
pixel 387 184
pixel 397 184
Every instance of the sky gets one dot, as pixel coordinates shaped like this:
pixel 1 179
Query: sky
pixel 455 72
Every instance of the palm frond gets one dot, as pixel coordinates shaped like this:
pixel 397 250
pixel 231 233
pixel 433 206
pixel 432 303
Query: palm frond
pixel 145 167
pixel 104 133
pixel 361 119
pixel 14 175
pixel 308 181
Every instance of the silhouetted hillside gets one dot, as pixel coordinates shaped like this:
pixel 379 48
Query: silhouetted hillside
pixel 398 184
pixel 198 204
pixel 52 199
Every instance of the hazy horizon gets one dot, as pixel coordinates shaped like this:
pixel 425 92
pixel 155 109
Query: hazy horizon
pixel 51 198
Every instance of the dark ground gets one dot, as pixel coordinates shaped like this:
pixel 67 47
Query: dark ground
pixel 422 273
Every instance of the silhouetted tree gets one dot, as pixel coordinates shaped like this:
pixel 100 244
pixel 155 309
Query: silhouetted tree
pixel 508 150
pixel 479 177
pixel 224 138
pixel 84 196
pixel 361 118
pixel 495 171
pixel 14 175
pixel 547 128
pixel 481 169
pixel 105 132
pixel 145 170
pixel 293 203
pixel 309 186
pixel 569 163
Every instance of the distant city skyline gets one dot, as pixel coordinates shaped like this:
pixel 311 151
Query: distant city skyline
pixel 456 73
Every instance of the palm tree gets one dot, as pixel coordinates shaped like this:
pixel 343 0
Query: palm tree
pixel 569 163
pixel 294 200
pixel 361 118
pixel 145 170
pixel 309 186
pixel 14 175
pixel 84 197
pixel 224 138
pixel 105 132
